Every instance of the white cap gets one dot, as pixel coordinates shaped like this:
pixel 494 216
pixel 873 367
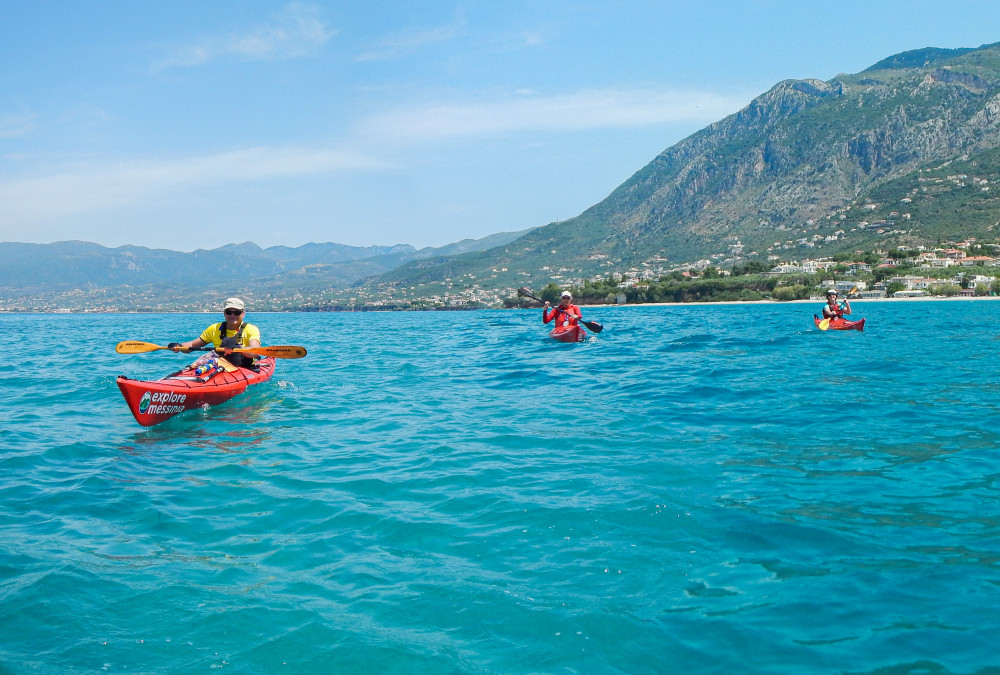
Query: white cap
pixel 566 294
pixel 233 303
pixel 832 291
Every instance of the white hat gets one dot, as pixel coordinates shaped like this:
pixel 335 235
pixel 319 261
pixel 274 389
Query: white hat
pixel 832 291
pixel 566 294
pixel 233 303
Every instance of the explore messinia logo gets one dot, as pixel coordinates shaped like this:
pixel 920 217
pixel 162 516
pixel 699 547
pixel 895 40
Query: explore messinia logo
pixel 144 402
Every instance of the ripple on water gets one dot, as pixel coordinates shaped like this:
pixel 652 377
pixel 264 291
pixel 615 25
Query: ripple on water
pixel 697 489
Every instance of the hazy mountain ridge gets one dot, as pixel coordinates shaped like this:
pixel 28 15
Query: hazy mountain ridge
pixel 38 268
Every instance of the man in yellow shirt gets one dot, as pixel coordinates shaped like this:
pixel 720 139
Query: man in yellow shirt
pixel 230 334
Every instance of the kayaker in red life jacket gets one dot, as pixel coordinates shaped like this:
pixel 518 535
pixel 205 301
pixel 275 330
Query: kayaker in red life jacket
pixel 565 313
pixel 237 335
pixel 832 310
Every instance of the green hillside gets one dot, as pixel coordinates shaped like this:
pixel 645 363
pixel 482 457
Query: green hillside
pixel 805 169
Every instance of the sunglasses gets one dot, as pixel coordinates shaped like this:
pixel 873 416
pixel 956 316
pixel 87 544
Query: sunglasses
pixel 233 312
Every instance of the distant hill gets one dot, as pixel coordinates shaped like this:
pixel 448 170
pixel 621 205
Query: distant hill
pixel 164 278
pixel 808 168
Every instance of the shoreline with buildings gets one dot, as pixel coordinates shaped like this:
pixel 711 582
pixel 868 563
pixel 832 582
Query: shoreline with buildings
pixel 808 301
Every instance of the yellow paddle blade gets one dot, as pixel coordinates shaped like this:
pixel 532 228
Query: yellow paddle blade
pixel 277 352
pixel 824 324
pixel 136 347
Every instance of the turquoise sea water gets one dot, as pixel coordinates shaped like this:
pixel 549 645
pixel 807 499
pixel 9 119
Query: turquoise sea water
pixel 716 489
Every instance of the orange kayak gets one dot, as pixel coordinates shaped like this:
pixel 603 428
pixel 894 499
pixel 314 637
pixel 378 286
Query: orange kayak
pixel 842 324
pixel 568 333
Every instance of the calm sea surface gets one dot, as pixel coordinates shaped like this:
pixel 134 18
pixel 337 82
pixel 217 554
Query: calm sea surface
pixel 714 489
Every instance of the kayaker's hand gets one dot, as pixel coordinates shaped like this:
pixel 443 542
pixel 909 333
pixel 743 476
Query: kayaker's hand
pixel 547 305
pixel 176 347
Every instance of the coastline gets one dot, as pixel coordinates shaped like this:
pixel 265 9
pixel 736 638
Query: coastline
pixel 809 301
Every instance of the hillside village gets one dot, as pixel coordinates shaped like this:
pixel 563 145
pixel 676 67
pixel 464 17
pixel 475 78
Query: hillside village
pixel 910 285
pixel 967 276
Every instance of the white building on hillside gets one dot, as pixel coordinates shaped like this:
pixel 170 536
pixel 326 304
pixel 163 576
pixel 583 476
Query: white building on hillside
pixel 912 283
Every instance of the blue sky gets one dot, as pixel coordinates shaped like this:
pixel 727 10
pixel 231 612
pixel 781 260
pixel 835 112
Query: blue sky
pixel 194 124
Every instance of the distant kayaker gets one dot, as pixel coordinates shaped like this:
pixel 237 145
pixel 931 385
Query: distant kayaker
pixel 833 309
pixel 565 313
pixel 237 335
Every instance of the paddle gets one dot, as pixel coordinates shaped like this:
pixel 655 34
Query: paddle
pixel 592 325
pixel 139 347
pixel 825 323
pixel 278 352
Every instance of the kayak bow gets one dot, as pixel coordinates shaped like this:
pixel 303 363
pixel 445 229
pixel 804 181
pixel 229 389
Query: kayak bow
pixel 568 334
pixel 153 401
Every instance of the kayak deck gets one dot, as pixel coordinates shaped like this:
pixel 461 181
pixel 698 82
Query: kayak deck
pixel 154 401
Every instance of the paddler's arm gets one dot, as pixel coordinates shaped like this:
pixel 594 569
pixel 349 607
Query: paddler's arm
pixel 847 306
pixel 546 317
pixel 253 338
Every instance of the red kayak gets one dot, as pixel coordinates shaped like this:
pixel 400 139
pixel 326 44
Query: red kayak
pixel 842 324
pixel 153 401
pixel 568 333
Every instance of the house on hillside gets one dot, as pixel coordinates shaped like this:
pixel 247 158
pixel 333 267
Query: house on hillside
pixel 977 260
pixel 912 283
pixel 976 280
pixel 844 287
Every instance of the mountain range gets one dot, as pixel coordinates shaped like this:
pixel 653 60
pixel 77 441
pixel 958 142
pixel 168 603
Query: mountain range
pixel 30 274
pixel 905 152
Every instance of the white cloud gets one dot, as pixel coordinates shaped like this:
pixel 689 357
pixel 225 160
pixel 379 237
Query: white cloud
pixel 295 32
pixel 16 126
pixel 589 109
pixel 92 187
pixel 409 42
